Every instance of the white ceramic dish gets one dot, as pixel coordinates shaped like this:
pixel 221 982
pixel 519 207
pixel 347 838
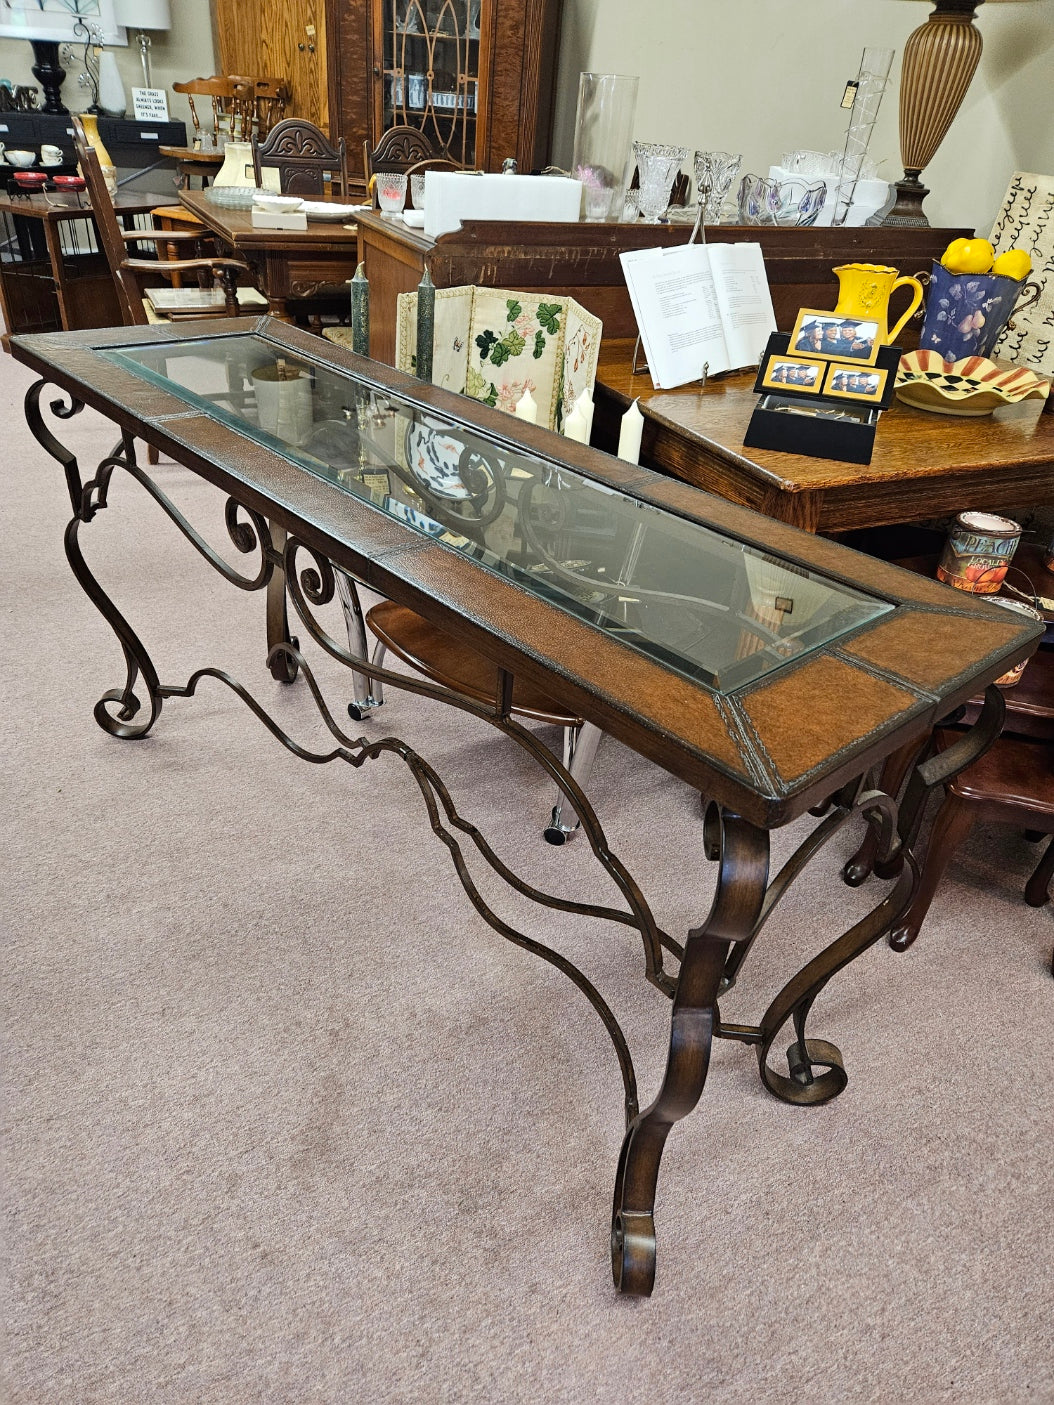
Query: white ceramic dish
pixel 22 159
pixel 277 204
pixel 324 210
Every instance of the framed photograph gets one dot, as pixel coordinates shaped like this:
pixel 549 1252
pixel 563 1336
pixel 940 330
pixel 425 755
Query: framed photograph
pixel 55 19
pixel 852 381
pixel 834 338
pixel 793 373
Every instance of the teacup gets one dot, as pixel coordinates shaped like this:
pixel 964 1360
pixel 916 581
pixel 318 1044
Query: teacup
pixel 20 158
pixel 51 155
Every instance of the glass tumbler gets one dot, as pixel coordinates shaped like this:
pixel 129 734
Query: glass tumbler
pixel 391 191
pixel 714 173
pixel 658 166
pixel 607 103
pixel 417 190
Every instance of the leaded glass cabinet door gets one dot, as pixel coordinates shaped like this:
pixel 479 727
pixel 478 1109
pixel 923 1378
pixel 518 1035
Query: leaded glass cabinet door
pixel 433 72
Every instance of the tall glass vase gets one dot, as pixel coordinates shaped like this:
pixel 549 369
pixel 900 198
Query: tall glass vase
pixel 871 83
pixel 607 104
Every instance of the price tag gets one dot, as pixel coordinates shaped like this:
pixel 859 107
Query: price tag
pixel 150 104
pixel 849 96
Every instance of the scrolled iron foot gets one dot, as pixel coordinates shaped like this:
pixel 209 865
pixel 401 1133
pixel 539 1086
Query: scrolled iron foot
pixel 633 1252
pixel 803 1087
pixel 794 1002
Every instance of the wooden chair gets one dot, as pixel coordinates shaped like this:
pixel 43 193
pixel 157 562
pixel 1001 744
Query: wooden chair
pixel 304 158
pixel 267 99
pixel 1013 783
pixel 228 98
pixel 133 275
pixel 400 149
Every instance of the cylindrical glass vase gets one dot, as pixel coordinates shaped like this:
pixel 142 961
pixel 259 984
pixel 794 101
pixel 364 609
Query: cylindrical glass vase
pixel 607 105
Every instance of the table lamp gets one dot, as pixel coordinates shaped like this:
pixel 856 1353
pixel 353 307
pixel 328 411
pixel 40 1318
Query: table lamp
pixel 940 59
pixel 143 15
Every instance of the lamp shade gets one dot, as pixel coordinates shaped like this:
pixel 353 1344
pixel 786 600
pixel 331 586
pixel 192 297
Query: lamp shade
pixel 143 14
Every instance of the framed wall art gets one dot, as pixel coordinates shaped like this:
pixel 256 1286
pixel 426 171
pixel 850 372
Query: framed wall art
pixel 57 20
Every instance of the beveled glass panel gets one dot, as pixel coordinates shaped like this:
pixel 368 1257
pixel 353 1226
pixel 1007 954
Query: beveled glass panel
pixel 715 609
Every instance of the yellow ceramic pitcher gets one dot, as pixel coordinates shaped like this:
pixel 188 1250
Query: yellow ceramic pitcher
pixel 864 290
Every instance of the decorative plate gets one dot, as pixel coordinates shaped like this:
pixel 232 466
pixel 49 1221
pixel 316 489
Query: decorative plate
pixel 972 386
pixel 433 456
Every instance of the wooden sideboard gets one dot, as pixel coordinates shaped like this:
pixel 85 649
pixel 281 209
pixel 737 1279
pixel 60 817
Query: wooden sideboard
pixel 582 261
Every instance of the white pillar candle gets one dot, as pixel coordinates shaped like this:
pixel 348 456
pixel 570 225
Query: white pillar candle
pixel 575 426
pixel 527 407
pixel 585 404
pixel 630 434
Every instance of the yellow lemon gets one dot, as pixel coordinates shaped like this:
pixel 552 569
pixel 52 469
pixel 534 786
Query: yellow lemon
pixel 1015 264
pixel 968 256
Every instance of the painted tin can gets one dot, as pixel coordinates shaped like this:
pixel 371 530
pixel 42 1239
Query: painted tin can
pixel 979 549
pixel 1014 675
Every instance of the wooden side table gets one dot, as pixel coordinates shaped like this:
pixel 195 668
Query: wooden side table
pixel 192 164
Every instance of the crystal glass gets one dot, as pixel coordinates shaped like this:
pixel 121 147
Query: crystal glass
pixel 706 605
pixel 790 202
pixel 391 191
pixel 417 190
pixel 658 166
pixel 607 103
pixel 714 173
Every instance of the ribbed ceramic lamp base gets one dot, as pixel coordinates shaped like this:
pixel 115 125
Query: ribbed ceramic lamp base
pixel 940 59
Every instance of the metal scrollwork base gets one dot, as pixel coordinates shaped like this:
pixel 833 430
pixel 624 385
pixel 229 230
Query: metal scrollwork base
pixel 713 954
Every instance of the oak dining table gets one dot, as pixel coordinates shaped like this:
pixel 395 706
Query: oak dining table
pixel 924 465
pixel 290 265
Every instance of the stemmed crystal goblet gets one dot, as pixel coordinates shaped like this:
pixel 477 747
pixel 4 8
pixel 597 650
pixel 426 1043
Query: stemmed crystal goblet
pixel 658 165
pixel 714 173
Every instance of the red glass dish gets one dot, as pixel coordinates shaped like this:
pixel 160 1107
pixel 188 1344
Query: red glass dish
pixel 69 182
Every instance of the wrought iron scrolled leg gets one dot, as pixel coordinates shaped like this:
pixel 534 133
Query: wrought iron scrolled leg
pixel 737 905
pixel 137 659
pixel 281 662
pixel 894 769
pixel 795 1000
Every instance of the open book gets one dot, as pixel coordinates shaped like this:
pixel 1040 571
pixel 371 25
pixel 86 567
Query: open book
pixel 699 306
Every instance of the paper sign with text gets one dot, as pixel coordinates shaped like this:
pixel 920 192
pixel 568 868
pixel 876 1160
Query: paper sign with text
pixel 150 104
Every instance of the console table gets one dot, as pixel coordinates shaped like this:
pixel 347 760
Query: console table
pixel 769 669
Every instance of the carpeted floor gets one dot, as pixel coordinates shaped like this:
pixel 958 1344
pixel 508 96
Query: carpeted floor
pixel 286 1122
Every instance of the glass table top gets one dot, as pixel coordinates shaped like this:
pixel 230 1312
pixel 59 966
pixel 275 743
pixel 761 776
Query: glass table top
pixel 717 610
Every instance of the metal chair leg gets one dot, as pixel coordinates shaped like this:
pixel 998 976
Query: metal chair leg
pixel 365 698
pixel 580 749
